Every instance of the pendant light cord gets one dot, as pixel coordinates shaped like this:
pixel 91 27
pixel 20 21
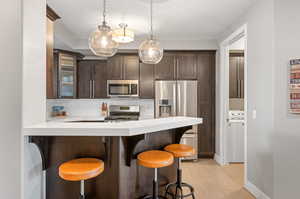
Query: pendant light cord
pixel 104 12
pixel 151 19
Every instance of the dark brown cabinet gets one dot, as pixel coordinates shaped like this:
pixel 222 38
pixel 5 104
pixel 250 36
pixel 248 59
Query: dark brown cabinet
pixel 236 75
pixel 146 81
pixel 177 66
pixel 206 103
pixel 165 69
pixel 100 80
pixel 186 67
pixel 51 70
pixel 84 79
pixel 123 67
pixel 92 79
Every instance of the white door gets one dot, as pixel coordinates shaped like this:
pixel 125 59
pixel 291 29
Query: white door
pixel 235 142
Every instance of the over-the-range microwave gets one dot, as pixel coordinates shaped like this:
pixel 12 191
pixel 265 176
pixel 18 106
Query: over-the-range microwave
pixel 122 88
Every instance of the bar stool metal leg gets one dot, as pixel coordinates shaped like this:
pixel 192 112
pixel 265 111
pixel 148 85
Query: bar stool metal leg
pixel 155 194
pixel 82 195
pixel 178 186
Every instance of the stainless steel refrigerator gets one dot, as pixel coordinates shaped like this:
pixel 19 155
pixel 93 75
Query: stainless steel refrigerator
pixel 178 98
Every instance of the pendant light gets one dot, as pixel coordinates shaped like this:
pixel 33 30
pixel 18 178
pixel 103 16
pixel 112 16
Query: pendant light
pixel 100 41
pixel 123 34
pixel 150 51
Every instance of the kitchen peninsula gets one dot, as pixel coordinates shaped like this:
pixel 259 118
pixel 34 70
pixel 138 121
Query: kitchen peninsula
pixel 117 144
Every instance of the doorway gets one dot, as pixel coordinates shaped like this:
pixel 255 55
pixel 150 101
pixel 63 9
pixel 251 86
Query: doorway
pixel 233 100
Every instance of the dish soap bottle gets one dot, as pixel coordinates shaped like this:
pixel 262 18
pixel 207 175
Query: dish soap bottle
pixel 104 109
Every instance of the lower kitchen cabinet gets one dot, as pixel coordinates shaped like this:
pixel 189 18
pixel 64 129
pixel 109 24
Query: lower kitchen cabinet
pixel 235 142
pixel 92 77
pixel 147 81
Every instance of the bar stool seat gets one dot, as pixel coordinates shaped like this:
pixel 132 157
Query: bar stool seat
pixel 180 150
pixel 80 170
pixel 155 159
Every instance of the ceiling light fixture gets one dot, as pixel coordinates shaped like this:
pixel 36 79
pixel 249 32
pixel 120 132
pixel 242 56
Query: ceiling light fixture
pixel 100 41
pixel 123 34
pixel 150 51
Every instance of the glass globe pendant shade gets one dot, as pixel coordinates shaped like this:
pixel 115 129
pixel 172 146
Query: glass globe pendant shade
pixel 101 42
pixel 150 51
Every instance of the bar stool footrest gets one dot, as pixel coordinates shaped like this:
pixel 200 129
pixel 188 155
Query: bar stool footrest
pixel 179 190
pixel 152 197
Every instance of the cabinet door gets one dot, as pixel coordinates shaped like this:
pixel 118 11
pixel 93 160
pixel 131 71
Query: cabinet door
pixel 67 74
pixel 233 77
pixel 146 81
pixel 206 103
pixel 85 79
pixel 241 76
pixel 100 80
pixel 131 67
pixel 115 68
pixel 165 69
pixel 186 65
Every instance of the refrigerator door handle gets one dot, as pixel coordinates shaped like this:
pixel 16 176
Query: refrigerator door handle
pixel 174 100
pixel 178 100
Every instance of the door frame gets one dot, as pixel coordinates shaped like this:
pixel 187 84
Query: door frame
pixel 224 94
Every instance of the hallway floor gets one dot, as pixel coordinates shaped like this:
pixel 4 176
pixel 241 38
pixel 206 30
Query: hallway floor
pixel 212 181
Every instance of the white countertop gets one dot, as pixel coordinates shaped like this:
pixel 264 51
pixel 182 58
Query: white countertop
pixel 129 128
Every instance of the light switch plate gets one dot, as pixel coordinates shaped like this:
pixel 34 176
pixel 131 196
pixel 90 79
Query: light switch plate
pixel 254 114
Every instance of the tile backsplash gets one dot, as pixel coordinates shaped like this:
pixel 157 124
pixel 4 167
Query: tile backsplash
pixel 92 107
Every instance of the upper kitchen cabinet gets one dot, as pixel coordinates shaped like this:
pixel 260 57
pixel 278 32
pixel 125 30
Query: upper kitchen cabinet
pixel 165 69
pixel 186 65
pixel 146 81
pixel 123 67
pixel 84 79
pixel 236 74
pixel 66 66
pixel 51 77
pixel 177 66
pixel 92 79
pixel 115 68
pixel 131 65
pixel 100 80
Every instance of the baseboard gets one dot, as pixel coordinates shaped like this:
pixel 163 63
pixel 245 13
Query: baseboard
pixel 218 159
pixel 206 155
pixel 255 191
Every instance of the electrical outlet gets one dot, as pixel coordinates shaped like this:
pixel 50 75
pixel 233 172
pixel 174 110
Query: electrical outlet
pixel 254 114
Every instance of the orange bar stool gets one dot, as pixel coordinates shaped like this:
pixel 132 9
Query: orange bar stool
pixel 80 170
pixel 180 151
pixel 155 159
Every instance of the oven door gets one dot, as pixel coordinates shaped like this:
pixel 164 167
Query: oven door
pixel 122 88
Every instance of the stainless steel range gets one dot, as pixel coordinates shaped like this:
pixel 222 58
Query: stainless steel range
pixel 123 113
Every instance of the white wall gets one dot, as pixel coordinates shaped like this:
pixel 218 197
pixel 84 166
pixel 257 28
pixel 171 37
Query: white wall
pixel 287 138
pixel 10 98
pixel 34 61
pixel 260 24
pixel 34 90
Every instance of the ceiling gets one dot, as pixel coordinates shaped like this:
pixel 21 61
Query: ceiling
pixel 173 19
